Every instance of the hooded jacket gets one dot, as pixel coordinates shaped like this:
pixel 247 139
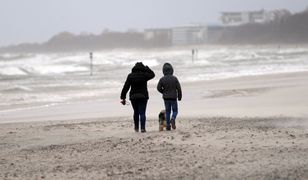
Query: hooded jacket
pixel 136 81
pixel 169 85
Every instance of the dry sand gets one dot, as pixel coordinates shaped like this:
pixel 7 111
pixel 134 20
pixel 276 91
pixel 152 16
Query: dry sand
pixel 243 128
pixel 206 148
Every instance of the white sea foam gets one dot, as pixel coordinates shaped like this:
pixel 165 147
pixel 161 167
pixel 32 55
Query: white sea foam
pixel 9 71
pixel 54 78
pixel 54 69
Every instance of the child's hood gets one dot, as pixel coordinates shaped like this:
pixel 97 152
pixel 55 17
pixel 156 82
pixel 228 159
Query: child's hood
pixel 167 69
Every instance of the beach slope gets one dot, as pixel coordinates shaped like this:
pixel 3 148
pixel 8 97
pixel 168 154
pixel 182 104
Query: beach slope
pixel 243 128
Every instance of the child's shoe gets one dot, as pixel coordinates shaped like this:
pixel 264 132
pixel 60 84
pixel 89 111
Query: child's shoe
pixel 173 123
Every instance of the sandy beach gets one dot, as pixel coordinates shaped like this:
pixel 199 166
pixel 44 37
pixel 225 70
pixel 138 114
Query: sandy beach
pixel 253 127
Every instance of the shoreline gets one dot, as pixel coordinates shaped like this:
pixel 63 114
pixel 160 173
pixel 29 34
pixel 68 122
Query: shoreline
pixel 285 94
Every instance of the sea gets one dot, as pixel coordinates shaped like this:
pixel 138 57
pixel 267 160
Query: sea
pixel 30 80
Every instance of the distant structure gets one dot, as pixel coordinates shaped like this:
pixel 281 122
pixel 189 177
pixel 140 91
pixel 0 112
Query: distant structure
pixel 184 35
pixel 189 35
pixel 262 16
pixel 158 32
pixel 214 34
pixel 159 36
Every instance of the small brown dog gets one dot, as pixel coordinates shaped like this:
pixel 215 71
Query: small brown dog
pixel 162 120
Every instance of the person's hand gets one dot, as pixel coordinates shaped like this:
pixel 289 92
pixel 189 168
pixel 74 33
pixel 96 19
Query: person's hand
pixel 123 101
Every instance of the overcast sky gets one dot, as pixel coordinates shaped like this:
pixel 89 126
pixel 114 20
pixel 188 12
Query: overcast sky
pixel 38 20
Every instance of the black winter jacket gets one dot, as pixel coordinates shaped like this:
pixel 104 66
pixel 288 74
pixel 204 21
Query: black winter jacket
pixel 169 85
pixel 137 82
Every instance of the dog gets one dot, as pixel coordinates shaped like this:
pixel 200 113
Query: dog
pixel 162 120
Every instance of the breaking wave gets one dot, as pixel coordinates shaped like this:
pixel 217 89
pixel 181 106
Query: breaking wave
pixel 51 78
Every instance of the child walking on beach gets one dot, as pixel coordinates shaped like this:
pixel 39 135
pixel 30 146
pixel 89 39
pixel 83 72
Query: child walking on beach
pixel 170 87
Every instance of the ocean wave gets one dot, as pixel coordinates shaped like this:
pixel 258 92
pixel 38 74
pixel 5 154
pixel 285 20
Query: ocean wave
pixel 61 78
pixel 55 69
pixel 11 71
pixel 10 57
pixel 14 89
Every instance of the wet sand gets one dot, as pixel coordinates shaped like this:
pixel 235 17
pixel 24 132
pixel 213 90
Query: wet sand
pixel 253 96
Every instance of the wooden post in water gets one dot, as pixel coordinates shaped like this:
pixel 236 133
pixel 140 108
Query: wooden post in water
pixel 91 63
pixel 196 54
pixel 192 55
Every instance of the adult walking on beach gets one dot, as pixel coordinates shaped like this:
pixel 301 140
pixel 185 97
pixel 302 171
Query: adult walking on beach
pixel 137 83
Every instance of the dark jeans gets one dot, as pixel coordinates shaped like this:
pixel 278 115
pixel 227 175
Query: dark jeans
pixel 171 104
pixel 139 106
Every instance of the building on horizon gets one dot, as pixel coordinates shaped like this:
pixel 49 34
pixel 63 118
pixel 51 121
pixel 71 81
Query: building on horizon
pixel 214 34
pixel 157 32
pixel 183 35
pixel 246 17
pixel 189 35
